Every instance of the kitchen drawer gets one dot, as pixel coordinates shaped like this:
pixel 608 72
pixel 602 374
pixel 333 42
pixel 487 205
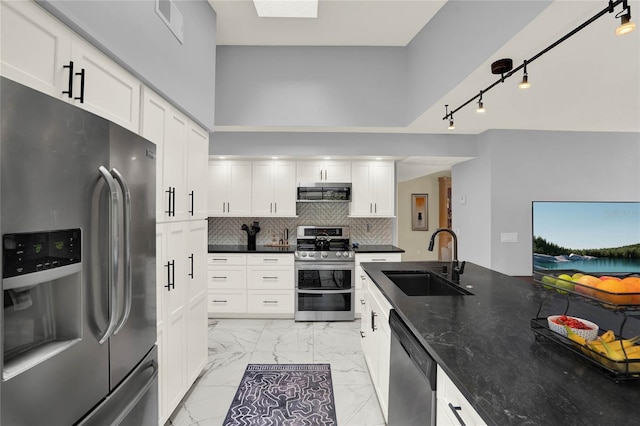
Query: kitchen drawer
pixel 270 259
pixel 229 277
pixel 377 257
pixel 449 398
pixel 226 259
pixel 270 301
pixel 227 302
pixel 270 277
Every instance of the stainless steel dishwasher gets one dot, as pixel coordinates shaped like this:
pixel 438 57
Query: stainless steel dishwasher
pixel 412 380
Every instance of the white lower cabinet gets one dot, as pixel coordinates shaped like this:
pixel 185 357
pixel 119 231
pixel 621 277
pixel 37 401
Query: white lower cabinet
pixel 360 275
pixel 452 407
pixel 256 284
pixel 181 311
pixel 376 340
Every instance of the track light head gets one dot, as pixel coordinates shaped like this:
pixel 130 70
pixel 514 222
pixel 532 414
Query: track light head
pixel 451 125
pixel 480 109
pixel 524 84
pixel 626 26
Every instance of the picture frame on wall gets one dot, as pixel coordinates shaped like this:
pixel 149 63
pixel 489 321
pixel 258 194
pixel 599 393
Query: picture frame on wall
pixel 419 208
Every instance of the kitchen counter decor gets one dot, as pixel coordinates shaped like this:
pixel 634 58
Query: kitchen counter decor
pixel 617 357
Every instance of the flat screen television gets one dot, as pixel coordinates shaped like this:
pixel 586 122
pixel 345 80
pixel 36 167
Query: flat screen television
pixel 586 236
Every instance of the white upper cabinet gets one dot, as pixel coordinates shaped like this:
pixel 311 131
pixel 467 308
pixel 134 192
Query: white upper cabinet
pixel 323 171
pixel 373 188
pixel 39 51
pixel 273 188
pixel 196 169
pixel 34 47
pixel 229 188
pixel 104 87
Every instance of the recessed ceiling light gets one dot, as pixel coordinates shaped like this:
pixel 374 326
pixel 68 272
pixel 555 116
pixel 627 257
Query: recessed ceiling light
pixel 274 158
pixel 286 8
pixel 378 158
pixel 222 157
pixel 327 158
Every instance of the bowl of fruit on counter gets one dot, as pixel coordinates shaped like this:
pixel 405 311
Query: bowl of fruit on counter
pixel 581 327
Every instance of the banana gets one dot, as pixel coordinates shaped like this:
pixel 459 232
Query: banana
pixel 614 344
pixel 609 336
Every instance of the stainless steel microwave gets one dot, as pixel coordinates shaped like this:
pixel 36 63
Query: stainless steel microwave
pixel 324 192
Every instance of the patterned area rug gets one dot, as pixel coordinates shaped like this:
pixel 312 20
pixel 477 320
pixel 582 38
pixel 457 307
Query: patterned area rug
pixel 284 395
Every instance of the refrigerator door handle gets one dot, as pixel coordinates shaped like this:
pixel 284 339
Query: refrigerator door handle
pixel 142 392
pixel 127 248
pixel 112 272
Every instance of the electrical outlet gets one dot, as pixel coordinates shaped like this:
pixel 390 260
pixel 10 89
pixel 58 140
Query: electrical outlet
pixel 509 237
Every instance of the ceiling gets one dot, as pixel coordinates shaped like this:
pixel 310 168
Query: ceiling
pixel 588 83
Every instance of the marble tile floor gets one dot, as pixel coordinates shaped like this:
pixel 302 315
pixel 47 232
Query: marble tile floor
pixel 234 343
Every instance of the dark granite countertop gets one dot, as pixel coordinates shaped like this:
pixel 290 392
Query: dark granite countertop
pixel 224 248
pixel 378 248
pixel 485 344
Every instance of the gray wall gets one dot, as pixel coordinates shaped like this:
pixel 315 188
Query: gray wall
pixel 134 36
pixel 515 168
pixel 311 86
pixel 441 55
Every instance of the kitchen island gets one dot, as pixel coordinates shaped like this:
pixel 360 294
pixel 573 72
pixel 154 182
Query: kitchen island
pixel 485 344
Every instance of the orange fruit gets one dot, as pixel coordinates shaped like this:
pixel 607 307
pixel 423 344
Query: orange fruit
pixel 587 283
pixel 618 287
pixel 633 286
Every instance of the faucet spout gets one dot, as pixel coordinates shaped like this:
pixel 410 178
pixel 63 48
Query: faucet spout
pixel 456 270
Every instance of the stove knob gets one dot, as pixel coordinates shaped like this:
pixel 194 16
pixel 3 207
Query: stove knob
pixel 324 254
pixel 338 254
pixel 296 254
pixel 312 254
pixel 346 254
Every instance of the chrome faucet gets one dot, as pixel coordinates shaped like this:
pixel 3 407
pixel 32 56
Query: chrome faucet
pixel 456 270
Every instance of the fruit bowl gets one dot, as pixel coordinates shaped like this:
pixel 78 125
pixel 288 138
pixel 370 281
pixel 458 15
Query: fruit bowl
pixel 589 333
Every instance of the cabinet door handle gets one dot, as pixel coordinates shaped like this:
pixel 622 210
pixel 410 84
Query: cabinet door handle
pixel 455 413
pixel 269 302
pixel 362 301
pixel 378 260
pixel 81 97
pixel 69 91
pixel 374 327
pixel 362 334
pixel 370 207
pixel 375 207
pixel 320 174
pixel 219 259
pixel 191 258
pixel 223 209
pixel 171 275
pixel 191 194
pixel 269 278
pixel 325 174
pixel 270 207
pixel 218 278
pixel 218 301
pixel 228 208
pixel 270 260
pixel 275 208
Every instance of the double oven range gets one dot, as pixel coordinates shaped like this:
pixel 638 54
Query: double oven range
pixel 325 270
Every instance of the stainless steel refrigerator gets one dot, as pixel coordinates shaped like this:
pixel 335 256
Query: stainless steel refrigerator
pixel 78 328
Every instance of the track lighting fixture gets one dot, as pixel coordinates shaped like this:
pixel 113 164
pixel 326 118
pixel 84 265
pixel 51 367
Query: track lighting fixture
pixel 626 26
pixel 480 108
pixel 524 84
pixel 504 66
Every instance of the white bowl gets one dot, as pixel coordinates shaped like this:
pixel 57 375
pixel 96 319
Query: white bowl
pixel 590 334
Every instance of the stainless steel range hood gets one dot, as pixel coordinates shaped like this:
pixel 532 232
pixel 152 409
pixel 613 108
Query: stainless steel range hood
pixel 324 192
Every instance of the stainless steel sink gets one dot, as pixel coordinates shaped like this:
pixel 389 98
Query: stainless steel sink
pixel 424 283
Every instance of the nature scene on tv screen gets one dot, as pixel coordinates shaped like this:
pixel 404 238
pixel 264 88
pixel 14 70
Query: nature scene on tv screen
pixel 586 236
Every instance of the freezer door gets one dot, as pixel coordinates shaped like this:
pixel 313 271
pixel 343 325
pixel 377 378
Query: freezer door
pixel 133 165
pixel 50 153
pixel 134 402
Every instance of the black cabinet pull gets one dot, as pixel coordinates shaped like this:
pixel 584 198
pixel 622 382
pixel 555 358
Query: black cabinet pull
pixel 81 97
pixel 192 198
pixel 171 275
pixel 191 274
pixel 373 321
pixel 455 413
pixel 69 91
pixel 172 201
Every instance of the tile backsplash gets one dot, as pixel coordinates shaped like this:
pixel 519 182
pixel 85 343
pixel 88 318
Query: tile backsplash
pixel 224 230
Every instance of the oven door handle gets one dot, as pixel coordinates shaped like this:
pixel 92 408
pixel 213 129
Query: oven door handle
pixel 303 291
